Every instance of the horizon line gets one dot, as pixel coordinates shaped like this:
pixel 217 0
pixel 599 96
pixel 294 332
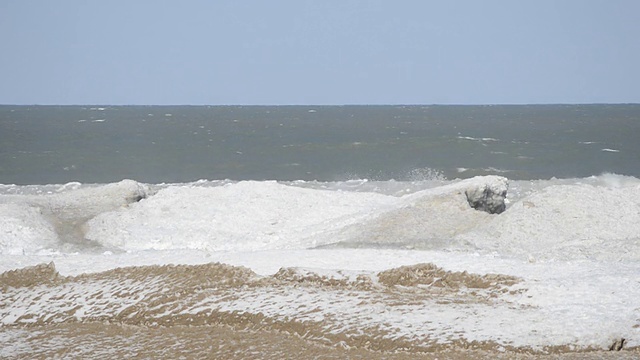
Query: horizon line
pixel 326 105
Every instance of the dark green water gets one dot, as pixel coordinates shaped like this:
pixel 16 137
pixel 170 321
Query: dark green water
pixel 59 144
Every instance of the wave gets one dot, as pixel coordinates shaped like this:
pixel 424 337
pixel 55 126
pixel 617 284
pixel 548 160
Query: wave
pixel 546 219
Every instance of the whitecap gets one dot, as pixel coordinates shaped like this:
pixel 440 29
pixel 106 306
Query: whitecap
pixel 496 170
pixel 477 139
pixel 69 186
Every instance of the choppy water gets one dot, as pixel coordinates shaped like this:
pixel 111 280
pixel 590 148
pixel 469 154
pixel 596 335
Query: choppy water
pixel 366 246
pixel 154 144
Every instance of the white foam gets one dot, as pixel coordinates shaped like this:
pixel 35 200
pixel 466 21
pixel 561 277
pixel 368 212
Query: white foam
pixel 69 186
pixel 477 139
pixel 610 180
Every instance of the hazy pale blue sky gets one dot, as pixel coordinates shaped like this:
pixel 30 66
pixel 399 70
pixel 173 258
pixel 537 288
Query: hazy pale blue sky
pixel 319 52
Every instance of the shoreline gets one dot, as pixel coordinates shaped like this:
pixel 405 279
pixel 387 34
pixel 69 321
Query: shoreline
pixel 223 341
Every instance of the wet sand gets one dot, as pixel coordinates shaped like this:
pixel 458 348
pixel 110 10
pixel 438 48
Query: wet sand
pixel 118 341
pixel 219 311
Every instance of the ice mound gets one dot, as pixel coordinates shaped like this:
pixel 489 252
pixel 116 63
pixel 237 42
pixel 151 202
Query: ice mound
pixel 248 215
pixel 566 222
pixel 244 216
pixel 430 219
pixel 24 229
pixel 88 202
pixel 34 223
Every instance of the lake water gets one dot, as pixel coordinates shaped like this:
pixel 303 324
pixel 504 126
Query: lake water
pixel 154 144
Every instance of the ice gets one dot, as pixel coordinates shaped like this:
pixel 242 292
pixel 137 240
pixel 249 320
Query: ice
pixel 567 222
pixel 32 223
pixel 24 229
pixel 243 216
pixel 573 242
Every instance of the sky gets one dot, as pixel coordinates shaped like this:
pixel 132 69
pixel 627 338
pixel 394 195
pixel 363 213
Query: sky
pixel 227 52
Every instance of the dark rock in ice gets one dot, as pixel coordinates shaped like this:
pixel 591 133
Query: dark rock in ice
pixel 617 345
pixel 487 198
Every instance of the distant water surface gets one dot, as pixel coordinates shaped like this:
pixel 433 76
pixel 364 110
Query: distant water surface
pixel 155 144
